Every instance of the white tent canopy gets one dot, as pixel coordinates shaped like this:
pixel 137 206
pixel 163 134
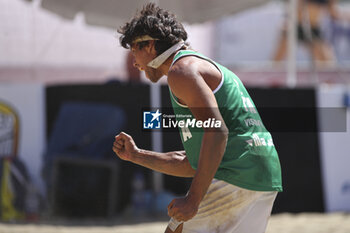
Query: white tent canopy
pixel 113 13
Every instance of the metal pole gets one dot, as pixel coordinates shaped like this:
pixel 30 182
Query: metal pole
pixel 157 140
pixel 292 44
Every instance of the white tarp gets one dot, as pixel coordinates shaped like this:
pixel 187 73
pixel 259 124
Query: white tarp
pixel 113 13
pixel 334 148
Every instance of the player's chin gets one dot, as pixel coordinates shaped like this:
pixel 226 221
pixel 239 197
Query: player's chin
pixel 154 80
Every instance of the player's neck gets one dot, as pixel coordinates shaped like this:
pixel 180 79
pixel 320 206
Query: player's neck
pixel 164 68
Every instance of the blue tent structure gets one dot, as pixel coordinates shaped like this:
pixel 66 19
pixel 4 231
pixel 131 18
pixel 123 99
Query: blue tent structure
pixel 85 129
pixel 78 157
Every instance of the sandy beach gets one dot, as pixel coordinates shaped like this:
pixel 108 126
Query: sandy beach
pixel 279 223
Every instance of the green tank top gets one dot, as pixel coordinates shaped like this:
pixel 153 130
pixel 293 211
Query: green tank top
pixel 250 160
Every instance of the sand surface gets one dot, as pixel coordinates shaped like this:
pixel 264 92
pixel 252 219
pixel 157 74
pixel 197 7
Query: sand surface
pixel 279 223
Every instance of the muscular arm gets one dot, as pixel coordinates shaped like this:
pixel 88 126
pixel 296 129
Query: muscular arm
pixel 188 84
pixel 172 163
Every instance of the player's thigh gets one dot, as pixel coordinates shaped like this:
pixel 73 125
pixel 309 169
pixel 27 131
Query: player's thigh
pixel 257 217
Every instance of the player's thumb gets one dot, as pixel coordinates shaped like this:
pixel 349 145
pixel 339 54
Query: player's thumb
pixel 170 206
pixel 124 135
pixel 121 136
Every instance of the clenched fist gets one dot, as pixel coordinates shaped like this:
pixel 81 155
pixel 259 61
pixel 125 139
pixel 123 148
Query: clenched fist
pixel 124 146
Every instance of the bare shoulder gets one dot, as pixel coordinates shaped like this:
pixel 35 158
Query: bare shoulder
pixel 183 71
pixel 187 83
pixel 183 67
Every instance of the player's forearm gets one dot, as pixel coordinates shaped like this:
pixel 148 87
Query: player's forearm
pixel 212 151
pixel 171 163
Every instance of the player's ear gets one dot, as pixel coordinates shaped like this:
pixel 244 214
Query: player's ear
pixel 150 47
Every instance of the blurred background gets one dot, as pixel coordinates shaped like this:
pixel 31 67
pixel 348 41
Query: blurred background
pixel 67 88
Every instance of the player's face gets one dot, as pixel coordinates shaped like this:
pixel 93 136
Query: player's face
pixel 142 58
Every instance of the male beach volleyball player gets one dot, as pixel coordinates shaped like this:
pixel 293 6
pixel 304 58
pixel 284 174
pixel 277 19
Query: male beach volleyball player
pixel 235 167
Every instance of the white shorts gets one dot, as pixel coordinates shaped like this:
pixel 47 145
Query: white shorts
pixel 229 209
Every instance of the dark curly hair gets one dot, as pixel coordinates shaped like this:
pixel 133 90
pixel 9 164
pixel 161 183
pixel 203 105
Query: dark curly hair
pixel 155 22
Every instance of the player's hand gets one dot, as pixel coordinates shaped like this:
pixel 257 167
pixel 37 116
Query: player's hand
pixel 124 146
pixel 182 209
